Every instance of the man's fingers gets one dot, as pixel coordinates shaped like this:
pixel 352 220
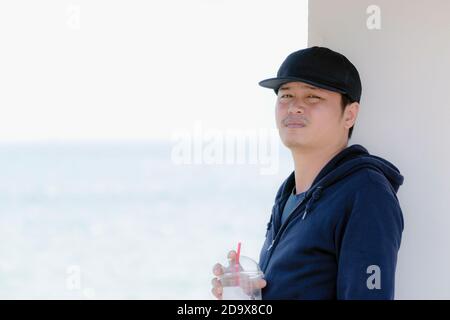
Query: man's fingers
pixel 216 282
pixel 261 283
pixel 217 269
pixel 251 286
pixel 217 292
pixel 232 255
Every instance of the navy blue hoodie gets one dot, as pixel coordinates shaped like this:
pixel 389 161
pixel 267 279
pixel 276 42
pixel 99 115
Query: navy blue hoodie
pixel 342 241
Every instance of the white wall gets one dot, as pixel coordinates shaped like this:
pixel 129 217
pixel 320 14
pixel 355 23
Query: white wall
pixel 405 107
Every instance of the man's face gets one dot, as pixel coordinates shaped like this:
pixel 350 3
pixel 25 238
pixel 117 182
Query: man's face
pixel 310 117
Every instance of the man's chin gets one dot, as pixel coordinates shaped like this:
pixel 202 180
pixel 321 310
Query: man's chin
pixel 293 138
pixel 293 142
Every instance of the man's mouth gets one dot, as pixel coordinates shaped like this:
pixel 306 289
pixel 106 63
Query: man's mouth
pixel 294 123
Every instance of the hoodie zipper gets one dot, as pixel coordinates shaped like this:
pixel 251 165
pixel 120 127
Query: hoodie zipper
pixel 281 230
pixel 314 196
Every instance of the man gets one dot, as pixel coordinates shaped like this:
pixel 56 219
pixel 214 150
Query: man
pixel 336 225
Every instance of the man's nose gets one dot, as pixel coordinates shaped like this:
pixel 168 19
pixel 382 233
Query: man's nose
pixel 296 107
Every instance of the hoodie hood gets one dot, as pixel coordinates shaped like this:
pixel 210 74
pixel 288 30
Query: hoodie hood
pixel 348 161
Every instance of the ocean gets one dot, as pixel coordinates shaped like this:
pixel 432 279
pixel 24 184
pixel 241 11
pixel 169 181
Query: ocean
pixel 121 220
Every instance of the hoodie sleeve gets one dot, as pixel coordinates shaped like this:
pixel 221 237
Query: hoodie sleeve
pixel 368 240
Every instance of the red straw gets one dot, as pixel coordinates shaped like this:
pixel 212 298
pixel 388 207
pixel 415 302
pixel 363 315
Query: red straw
pixel 237 260
pixel 238 253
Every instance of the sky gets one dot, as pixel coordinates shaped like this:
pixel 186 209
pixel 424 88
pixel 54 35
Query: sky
pixel 140 70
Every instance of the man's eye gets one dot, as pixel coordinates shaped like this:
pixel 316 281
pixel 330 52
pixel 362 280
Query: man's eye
pixel 286 96
pixel 314 97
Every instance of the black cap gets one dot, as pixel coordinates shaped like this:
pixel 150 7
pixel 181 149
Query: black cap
pixel 320 67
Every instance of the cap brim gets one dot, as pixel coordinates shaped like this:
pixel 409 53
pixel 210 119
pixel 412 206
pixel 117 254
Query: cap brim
pixel 275 83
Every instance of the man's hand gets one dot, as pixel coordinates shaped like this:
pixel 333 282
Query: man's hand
pixel 218 270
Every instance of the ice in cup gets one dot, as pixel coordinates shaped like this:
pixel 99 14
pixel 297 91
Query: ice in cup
pixel 239 279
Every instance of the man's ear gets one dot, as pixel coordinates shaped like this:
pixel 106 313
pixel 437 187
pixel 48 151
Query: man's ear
pixel 350 114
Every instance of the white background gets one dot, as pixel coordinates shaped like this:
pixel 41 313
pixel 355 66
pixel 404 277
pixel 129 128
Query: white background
pixel 109 70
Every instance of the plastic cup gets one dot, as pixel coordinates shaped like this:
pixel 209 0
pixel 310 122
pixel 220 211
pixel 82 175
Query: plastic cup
pixel 239 281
